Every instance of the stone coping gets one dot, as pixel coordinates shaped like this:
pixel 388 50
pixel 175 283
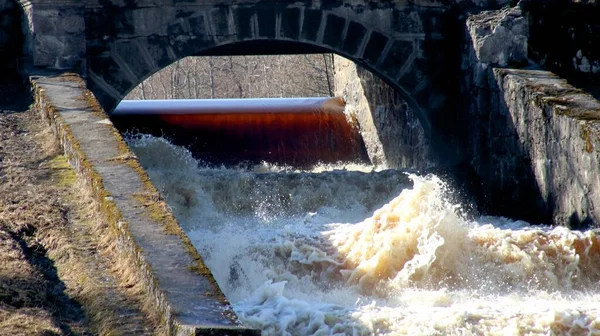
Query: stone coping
pixel 179 288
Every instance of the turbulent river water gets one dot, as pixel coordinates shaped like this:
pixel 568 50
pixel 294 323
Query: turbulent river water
pixel 351 250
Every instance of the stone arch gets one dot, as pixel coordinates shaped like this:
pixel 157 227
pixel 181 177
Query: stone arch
pixel 401 56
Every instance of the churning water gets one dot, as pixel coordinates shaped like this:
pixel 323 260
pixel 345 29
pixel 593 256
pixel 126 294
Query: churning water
pixel 350 250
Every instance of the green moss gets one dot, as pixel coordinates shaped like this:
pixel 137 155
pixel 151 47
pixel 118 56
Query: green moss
pixel 62 171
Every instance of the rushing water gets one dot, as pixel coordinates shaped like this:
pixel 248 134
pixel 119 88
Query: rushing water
pixel 350 250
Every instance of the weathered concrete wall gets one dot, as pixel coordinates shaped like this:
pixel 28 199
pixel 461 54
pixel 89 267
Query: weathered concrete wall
pixel 179 289
pixel 392 133
pixel 10 33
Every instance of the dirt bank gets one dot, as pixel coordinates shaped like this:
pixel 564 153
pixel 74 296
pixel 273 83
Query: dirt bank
pixel 59 274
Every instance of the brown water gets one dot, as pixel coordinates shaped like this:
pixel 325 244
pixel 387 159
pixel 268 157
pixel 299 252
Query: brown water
pixel 297 132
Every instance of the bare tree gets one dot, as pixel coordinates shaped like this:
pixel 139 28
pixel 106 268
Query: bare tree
pixel 241 77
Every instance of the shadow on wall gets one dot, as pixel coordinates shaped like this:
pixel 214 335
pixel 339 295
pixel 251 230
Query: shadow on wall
pixel 403 140
pixel 392 133
pixel 499 166
pixel 504 180
pixel 10 34
pixel 564 38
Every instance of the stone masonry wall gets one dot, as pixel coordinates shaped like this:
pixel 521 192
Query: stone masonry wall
pixel 10 33
pixel 392 133
pixel 558 127
pixel 54 33
pixel 533 138
pixel 503 183
pixel 564 38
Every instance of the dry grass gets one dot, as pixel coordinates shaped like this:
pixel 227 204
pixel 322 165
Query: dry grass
pixel 60 273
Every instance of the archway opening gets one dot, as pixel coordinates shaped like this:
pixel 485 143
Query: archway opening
pixel 390 131
pixel 247 109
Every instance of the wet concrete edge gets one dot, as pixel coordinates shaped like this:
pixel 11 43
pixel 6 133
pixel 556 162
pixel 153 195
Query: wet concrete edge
pixel 178 285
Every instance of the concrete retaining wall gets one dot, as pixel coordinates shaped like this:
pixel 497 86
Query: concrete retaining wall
pixel 178 286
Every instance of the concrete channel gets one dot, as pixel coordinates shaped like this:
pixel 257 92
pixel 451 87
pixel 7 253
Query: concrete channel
pixel 178 284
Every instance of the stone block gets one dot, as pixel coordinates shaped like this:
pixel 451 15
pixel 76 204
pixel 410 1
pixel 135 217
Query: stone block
pixel 55 34
pixel 406 20
pixel 414 75
pixel 53 22
pixel 198 26
pixel 72 24
pixel 334 29
pixel 157 49
pixel 58 51
pixel 131 53
pixel 267 21
pixel 243 18
pixel 95 22
pixel 108 69
pixel 290 23
pixel 311 24
pixel 375 47
pixel 220 23
pixel 354 38
pixel 177 28
pixel 554 146
pixel 398 54
pixel 146 21
pixel 184 46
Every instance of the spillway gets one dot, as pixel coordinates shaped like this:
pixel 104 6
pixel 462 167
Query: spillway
pixel 353 250
pixel 294 131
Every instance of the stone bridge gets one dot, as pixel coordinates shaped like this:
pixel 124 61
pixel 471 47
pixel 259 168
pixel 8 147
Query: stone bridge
pixel 413 45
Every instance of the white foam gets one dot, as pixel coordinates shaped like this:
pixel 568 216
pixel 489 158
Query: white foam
pixel 341 251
